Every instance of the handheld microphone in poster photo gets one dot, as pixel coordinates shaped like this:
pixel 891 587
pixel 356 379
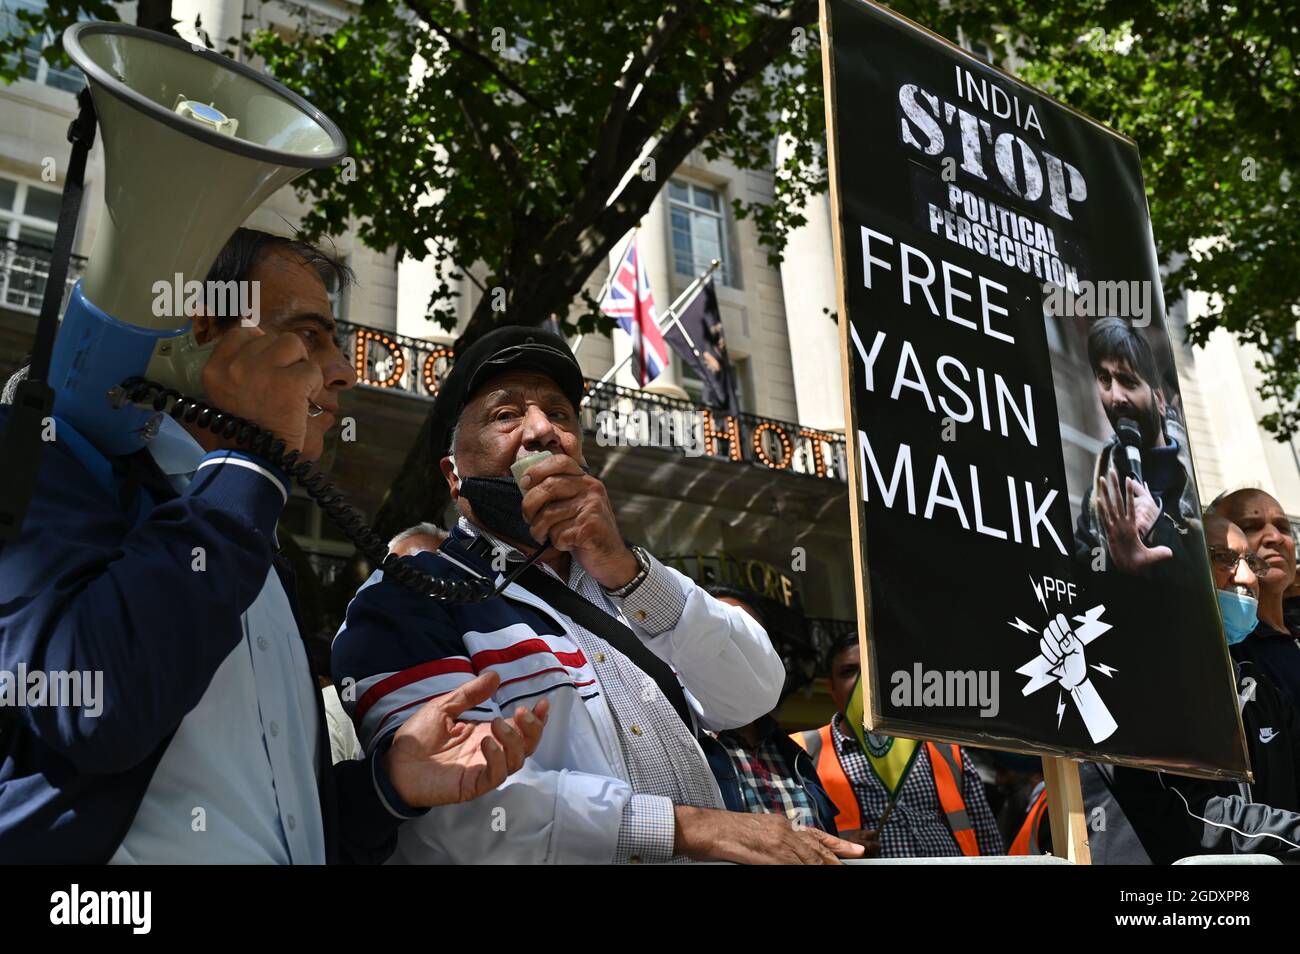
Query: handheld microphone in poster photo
pixel 1130 439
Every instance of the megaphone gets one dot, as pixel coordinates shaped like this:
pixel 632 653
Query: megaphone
pixel 193 143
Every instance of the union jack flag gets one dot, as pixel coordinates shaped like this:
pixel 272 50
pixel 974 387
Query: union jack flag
pixel 631 302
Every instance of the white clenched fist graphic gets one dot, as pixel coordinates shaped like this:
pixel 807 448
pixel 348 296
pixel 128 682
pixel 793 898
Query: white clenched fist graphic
pixel 1064 651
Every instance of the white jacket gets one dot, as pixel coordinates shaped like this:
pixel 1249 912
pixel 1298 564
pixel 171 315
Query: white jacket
pixel 566 805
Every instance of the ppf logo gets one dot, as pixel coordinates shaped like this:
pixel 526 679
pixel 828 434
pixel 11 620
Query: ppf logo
pixel 1062 658
pixel 1054 589
pixel 103 907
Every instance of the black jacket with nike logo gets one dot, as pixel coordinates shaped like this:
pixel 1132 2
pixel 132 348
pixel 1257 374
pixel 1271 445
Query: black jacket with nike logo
pixel 1175 816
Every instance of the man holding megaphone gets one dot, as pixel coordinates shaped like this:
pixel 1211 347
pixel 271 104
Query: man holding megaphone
pixel 209 743
pixel 155 698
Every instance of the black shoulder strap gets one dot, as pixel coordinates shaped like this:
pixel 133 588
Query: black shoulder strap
pixel 34 400
pixel 476 551
pixel 614 632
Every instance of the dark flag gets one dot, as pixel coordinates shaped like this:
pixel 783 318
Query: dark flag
pixel 697 336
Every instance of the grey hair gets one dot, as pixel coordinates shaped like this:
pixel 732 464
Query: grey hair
pixel 455 435
pixel 426 529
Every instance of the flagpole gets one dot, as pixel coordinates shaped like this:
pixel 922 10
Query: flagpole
pixel 672 317
pixel 604 289
pixel 673 308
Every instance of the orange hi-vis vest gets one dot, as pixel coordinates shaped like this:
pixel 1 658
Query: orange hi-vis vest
pixel 945 762
pixel 1026 842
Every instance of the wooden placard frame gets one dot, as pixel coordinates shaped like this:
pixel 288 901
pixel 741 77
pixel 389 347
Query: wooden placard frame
pixel 1060 770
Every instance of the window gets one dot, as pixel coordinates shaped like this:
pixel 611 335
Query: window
pixel 29 217
pixel 699 228
pixel 34 66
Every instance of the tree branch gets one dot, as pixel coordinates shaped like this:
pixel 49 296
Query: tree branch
pixel 421 10
pixel 688 132
pixel 592 230
pixel 558 281
pixel 637 69
pixel 509 158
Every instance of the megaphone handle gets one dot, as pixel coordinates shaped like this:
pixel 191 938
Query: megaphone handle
pixel 346 517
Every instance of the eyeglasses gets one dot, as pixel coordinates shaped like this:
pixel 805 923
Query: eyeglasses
pixel 1226 559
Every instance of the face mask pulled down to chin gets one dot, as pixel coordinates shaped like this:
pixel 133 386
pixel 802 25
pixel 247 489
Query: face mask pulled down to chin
pixel 499 505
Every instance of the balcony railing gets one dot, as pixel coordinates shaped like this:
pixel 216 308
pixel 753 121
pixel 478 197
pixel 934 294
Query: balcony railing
pixel 614 414
pixel 24 270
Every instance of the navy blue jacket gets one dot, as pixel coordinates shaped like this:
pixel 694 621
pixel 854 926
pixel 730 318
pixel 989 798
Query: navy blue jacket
pixel 91 586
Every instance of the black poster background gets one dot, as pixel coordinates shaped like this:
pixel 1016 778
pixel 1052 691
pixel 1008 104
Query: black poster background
pixel 943 596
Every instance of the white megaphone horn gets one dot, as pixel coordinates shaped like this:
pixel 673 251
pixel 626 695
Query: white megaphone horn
pixel 193 143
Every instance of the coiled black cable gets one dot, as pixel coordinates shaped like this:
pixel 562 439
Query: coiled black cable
pixel 183 408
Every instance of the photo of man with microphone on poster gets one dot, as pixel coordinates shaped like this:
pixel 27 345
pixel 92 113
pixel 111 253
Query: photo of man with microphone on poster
pixel 1140 510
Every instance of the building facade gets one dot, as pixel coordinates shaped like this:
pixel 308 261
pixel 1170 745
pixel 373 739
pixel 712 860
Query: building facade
pixel 759 500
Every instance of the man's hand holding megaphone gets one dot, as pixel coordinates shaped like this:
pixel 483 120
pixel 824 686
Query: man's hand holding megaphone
pixel 571 508
pixel 268 379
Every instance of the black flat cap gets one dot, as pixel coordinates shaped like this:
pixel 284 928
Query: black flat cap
pixel 511 348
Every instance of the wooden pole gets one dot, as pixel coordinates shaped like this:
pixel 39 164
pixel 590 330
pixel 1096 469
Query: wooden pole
pixel 1066 810
pixel 848 370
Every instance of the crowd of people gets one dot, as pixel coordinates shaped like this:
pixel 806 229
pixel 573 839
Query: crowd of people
pixel 604 708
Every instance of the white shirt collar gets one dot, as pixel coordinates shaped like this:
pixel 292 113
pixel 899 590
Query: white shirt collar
pixel 174 450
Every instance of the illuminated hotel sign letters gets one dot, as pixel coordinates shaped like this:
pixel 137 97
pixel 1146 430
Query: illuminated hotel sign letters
pixel 392 362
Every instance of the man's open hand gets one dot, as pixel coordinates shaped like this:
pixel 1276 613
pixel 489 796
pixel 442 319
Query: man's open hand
pixel 437 760
pixel 1122 515
pixel 706 834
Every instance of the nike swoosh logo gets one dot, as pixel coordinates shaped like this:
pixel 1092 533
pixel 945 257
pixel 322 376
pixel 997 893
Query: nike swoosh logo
pixel 1267 735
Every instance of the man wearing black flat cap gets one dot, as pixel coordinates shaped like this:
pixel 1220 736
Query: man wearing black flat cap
pixel 633 658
